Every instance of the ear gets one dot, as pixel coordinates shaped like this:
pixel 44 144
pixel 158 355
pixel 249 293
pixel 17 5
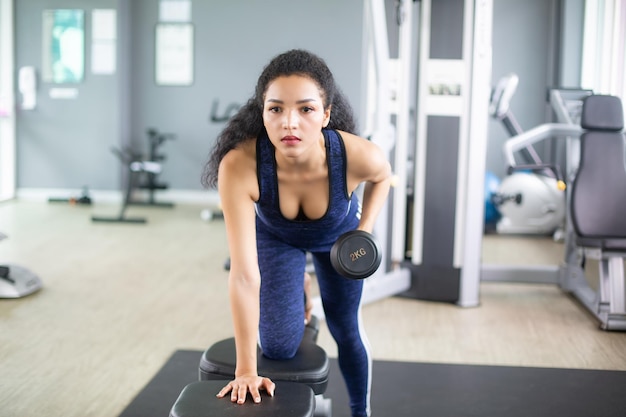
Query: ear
pixel 326 117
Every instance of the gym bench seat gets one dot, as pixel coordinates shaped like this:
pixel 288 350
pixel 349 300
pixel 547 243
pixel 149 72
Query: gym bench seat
pixel 198 400
pixel 300 383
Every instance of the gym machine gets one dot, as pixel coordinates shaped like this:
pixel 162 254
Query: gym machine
pixel 566 105
pixel 594 150
pixel 438 201
pixel 137 167
pixel 151 182
pixel 531 198
pixel 17 281
pixel 596 227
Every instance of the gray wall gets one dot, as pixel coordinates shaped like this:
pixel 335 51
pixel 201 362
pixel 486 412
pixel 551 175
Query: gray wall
pixel 65 143
pixel 572 14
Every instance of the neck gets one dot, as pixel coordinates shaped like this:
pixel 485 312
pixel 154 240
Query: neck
pixel 312 158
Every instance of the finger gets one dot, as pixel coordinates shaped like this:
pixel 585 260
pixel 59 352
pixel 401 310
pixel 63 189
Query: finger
pixel 269 386
pixel 233 393
pixel 224 391
pixel 256 396
pixel 241 394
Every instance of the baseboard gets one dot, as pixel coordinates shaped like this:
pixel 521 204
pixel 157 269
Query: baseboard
pixel 200 197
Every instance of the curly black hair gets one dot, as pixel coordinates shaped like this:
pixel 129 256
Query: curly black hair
pixel 247 123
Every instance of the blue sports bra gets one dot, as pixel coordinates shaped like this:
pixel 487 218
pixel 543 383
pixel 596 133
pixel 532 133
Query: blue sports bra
pixel 343 211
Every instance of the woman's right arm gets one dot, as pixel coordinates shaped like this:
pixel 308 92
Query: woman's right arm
pixel 238 189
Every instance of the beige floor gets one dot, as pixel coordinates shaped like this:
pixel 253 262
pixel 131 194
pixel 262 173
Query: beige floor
pixel 119 299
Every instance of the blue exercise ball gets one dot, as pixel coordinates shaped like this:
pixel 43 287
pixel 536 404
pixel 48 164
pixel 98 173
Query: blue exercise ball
pixel 492 184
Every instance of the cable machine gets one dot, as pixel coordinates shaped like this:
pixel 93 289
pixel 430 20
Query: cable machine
pixel 440 240
pixel 424 108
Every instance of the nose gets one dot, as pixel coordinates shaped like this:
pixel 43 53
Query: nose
pixel 291 119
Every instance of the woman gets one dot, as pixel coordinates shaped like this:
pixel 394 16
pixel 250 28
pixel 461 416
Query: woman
pixel 287 166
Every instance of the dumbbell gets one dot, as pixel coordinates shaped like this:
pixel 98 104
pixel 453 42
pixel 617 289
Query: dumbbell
pixel 356 254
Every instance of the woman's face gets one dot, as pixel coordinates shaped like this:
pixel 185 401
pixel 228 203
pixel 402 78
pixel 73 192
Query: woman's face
pixel 294 115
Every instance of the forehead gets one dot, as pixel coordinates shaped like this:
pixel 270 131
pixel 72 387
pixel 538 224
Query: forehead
pixel 293 86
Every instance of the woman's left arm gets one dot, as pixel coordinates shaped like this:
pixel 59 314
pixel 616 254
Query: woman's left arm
pixel 367 163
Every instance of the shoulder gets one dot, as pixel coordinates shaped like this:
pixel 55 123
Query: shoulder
pixel 237 169
pixel 242 155
pixel 365 159
pixel 357 146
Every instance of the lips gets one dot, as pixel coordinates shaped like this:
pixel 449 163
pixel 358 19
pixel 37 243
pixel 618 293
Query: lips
pixel 290 140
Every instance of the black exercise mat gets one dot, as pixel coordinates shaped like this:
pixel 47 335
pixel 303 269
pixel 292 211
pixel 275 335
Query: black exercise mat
pixel 402 389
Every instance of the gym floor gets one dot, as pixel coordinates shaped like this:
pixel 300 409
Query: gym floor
pixel 119 299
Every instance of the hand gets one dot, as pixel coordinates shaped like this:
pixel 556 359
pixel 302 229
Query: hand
pixel 243 384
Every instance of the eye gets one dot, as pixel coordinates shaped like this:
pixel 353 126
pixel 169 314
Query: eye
pixel 274 109
pixel 307 109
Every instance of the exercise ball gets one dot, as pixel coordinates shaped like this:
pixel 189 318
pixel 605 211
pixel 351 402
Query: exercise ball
pixel 492 184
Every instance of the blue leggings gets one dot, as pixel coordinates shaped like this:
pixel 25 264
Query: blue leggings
pixel 281 326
